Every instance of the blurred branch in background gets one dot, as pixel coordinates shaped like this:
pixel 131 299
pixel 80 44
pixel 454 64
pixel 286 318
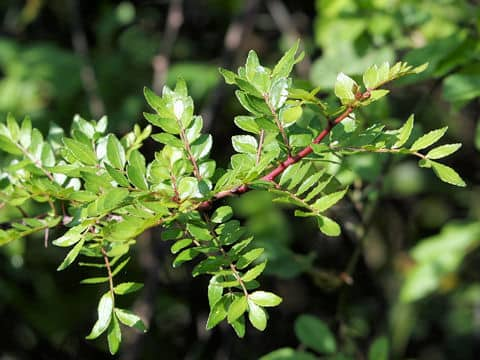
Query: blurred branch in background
pixel 283 19
pixel 237 32
pixel 161 61
pixel 87 73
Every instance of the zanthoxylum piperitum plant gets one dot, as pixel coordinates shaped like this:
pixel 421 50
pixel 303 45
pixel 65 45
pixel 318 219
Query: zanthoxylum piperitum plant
pixel 102 193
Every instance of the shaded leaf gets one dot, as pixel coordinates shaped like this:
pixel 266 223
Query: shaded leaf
pixel 315 334
pixel 428 139
pixel 105 310
pixel 130 319
pixel 257 316
pixel 265 298
pixel 447 174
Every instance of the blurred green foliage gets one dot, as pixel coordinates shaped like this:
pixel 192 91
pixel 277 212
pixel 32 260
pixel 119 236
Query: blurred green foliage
pixel 416 280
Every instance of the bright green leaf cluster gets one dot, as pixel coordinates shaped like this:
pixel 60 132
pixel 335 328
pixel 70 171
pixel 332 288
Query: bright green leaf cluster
pixel 104 192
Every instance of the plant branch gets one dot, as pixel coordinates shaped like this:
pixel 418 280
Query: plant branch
pixel 388 151
pixel 36 162
pixel 109 270
pixel 278 123
pixel 308 150
pixel 260 145
pixel 283 165
pixel 188 149
pixel 217 243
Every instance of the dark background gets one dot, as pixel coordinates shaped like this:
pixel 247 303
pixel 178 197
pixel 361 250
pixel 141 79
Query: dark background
pixel 60 58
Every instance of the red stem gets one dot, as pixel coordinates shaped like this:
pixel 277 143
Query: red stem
pixel 306 151
pixel 283 165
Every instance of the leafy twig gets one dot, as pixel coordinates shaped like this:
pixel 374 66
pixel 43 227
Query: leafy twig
pixel 109 270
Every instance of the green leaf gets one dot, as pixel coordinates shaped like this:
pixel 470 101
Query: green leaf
pixel 425 163
pixel 289 354
pixel 130 319
pixel 136 175
pixel 26 132
pixel 256 74
pixel 115 152
pixel 210 265
pixel 374 96
pixel 328 226
pixel 251 65
pixel 443 151
pixel 153 99
pixel 278 93
pixel 114 335
pixel 253 104
pixel 185 255
pixel 222 214
pixel 265 298
pixel 207 169
pixel 345 88
pixel 166 124
pixel 437 258
pixel 194 130
pixel 247 258
pixel 228 75
pixel 428 139
pixel 404 132
pixel 236 308
pixel 327 201
pixel 289 115
pixel 95 280
pixel 120 266
pixel 215 291
pixel 202 146
pixel 379 350
pixel 217 313
pixel 71 256
pixel 127 287
pixel 370 77
pixel 254 272
pixel 7 145
pixel 187 187
pixel 245 144
pixel 81 151
pixel 285 65
pixel 105 310
pixel 180 244
pixel 247 123
pixel 315 334
pixel 72 236
pixel 461 88
pixel 309 182
pixel 47 156
pixel 239 326
pixel 447 174
pixel 257 316
pixel 117 175
pixel 13 128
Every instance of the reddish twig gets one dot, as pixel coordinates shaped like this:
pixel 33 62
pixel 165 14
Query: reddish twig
pixel 109 270
pixel 260 145
pixel 292 160
pixel 285 164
